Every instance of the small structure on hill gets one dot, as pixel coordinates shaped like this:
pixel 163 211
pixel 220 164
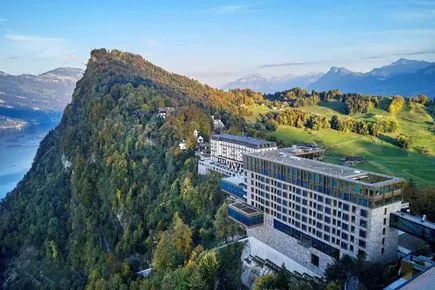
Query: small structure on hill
pixel 218 125
pixel 352 160
pixel 163 112
pixel 182 145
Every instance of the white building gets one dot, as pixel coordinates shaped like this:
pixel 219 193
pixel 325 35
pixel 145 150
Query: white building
pixel 315 211
pixel 227 153
pixel 229 149
pixel 163 112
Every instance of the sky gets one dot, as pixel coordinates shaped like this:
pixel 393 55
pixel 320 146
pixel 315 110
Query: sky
pixel 218 41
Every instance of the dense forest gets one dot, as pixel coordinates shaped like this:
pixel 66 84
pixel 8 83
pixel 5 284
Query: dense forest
pixel 110 193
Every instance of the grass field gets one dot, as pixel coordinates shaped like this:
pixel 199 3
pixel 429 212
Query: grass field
pixel 382 153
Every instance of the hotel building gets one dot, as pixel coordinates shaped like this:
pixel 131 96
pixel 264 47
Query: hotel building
pixel 316 211
pixel 227 153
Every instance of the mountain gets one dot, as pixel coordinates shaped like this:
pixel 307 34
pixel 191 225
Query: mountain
pixel 109 185
pixel 400 66
pixel 272 84
pixel 35 97
pixel 403 77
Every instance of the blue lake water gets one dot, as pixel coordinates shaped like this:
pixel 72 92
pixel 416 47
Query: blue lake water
pixel 17 150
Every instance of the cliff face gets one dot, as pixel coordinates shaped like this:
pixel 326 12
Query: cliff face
pixel 108 178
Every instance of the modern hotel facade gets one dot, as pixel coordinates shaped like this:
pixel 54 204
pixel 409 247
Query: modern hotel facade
pixel 229 149
pixel 315 211
pixel 226 153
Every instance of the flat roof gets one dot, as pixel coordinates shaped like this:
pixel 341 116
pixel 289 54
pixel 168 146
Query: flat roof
pixel 244 140
pixel 416 219
pixel 283 156
pixel 425 281
pixel 237 180
pixel 245 208
pixel 301 150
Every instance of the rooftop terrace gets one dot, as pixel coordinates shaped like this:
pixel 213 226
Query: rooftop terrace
pixel 244 140
pixel 284 156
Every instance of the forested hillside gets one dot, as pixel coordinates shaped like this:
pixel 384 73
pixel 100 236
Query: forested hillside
pixel 109 185
pixel 110 193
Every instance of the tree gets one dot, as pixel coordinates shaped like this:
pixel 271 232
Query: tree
pixel 209 266
pixel 404 141
pixel 174 246
pixel 333 286
pixel 396 104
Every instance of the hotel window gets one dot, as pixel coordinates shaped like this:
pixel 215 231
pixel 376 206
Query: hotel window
pixel 326 237
pixel 363 223
pixel 363 213
pixel 345 216
pixel 362 243
pixel 326 228
pixel 315 260
pixel 362 233
pixel 343 245
pixel 327 210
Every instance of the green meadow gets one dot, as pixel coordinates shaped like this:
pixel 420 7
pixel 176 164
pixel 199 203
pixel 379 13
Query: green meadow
pixel 382 153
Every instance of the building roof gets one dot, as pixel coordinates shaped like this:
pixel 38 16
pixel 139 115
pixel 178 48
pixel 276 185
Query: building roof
pixel 416 219
pixel 244 140
pixel 285 157
pixel 425 281
pixel 236 180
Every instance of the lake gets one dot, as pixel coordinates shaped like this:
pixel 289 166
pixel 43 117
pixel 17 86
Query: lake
pixel 17 150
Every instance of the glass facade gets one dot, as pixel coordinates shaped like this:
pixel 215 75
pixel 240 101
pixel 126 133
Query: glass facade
pixel 409 224
pixel 306 239
pixel 348 190
pixel 245 219
pixel 233 189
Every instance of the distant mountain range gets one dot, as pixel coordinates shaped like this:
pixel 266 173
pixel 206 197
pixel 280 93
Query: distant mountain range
pixel 272 84
pixel 403 77
pixel 35 97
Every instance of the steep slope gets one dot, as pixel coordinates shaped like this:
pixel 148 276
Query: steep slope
pixel 110 177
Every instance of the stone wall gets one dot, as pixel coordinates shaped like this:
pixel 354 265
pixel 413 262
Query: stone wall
pixel 375 234
pixel 289 246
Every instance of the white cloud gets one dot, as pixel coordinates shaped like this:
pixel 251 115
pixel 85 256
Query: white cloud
pixel 40 46
pixel 234 8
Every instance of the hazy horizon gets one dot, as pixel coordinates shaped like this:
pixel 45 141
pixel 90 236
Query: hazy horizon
pixel 219 41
